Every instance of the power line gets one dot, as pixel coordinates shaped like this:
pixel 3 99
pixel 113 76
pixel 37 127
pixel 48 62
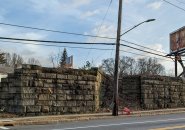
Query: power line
pixel 145 51
pixel 79 43
pixel 55 31
pixel 174 5
pixel 144 55
pixel 142 46
pixel 51 45
pixel 47 41
pixel 100 26
pixel 180 2
pixel 71 33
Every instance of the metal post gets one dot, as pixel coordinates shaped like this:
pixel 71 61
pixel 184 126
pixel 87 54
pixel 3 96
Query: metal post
pixel 175 65
pixel 116 75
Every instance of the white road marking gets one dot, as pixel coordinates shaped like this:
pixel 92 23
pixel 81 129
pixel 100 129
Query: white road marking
pixel 4 128
pixel 119 124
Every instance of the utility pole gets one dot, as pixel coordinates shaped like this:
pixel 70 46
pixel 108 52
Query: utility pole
pixel 116 74
pixel 176 65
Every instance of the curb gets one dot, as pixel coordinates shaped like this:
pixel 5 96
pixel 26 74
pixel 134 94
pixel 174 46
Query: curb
pixel 42 120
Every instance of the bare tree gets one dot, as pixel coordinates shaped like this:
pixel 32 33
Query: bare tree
pixel 33 61
pixel 52 59
pixel 126 66
pixel 8 59
pixel 55 59
pixel 13 60
pixel 2 58
pixel 129 66
pixel 150 67
pixel 108 66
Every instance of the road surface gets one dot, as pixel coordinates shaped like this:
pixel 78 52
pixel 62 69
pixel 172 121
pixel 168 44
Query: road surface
pixel 159 122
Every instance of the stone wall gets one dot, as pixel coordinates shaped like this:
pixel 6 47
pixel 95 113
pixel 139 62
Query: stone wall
pixel 148 92
pixel 162 92
pixel 34 90
pixel 129 93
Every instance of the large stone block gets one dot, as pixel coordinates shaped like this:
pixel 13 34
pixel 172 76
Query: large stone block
pixel 59 91
pixel 59 103
pixel 71 103
pixel 16 109
pixel 51 76
pixel 28 96
pixel 28 90
pixel 80 97
pixel 49 85
pixel 33 109
pixel 43 103
pixel 61 97
pixel 45 109
pixel 61 76
pixel 41 75
pixel 43 97
pixel 89 97
pixel 52 97
pixel 38 83
pixel 62 109
pixel 69 97
pixel 89 78
pixel 14 89
pixel 72 77
pixel 26 102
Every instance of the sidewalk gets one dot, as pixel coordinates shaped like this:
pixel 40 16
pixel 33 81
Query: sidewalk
pixel 41 120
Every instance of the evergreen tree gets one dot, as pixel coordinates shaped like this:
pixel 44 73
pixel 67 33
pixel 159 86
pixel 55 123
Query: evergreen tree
pixel 2 58
pixel 63 58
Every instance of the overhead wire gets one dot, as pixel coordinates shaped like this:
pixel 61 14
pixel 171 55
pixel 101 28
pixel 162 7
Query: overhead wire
pixel 73 47
pixel 71 33
pixel 81 43
pixel 49 41
pixel 146 51
pixel 144 55
pixel 142 46
pixel 180 2
pixel 174 5
pixel 51 45
pixel 104 17
pixel 55 31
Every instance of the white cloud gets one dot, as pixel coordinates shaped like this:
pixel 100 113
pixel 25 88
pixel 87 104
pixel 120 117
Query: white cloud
pixel 31 35
pixel 57 6
pixel 89 14
pixel 3 12
pixel 128 1
pixel 79 3
pixel 105 31
pixel 155 5
pixel 156 48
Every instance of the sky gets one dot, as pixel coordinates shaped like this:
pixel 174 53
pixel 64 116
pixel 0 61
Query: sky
pixel 86 17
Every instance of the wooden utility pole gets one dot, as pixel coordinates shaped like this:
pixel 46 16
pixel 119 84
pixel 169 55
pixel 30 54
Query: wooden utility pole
pixel 116 73
pixel 176 65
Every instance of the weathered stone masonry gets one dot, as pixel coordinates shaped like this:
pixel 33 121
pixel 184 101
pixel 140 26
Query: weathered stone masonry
pixel 162 92
pixel 33 90
pixel 148 92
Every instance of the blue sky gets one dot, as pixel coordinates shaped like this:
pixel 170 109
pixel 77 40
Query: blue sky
pixel 85 16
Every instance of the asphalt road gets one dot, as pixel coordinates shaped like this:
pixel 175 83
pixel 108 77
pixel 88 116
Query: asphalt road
pixel 160 122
